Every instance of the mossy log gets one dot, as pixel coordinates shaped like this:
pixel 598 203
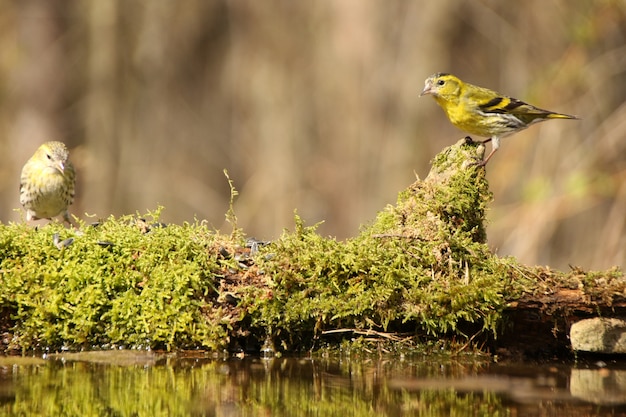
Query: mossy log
pixel 422 270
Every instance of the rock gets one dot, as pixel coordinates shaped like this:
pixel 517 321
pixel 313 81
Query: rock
pixel 599 335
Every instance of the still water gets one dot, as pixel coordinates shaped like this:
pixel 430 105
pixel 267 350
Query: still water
pixel 131 383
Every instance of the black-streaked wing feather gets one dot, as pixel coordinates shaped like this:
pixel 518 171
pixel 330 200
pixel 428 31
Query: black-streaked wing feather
pixel 510 105
pixel 522 111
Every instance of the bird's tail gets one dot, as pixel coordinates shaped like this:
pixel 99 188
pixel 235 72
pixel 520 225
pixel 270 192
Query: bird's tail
pixel 561 116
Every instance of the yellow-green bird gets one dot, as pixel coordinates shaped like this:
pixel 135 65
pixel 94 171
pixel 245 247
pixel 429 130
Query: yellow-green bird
pixel 47 183
pixel 483 112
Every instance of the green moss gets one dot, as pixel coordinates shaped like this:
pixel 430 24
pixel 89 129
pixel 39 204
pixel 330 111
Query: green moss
pixel 422 269
pixel 120 282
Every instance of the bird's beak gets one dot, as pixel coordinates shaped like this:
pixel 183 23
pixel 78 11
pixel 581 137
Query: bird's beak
pixel 427 89
pixel 61 166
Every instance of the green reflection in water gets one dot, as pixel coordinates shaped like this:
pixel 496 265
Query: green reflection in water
pixel 164 386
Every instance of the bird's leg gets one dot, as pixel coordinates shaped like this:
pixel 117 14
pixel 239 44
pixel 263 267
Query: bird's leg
pixel 484 161
pixel 494 147
pixel 66 219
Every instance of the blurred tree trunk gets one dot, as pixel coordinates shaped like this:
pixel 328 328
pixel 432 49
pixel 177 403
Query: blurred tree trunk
pixel 102 104
pixel 38 83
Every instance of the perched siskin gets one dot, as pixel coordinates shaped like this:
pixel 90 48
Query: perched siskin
pixel 47 183
pixel 483 112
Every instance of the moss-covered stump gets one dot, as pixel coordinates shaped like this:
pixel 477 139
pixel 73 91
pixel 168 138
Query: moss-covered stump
pixel 422 267
pixel 420 271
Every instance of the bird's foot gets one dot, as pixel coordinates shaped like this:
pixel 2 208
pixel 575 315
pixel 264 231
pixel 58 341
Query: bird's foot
pixel 478 162
pixel 469 140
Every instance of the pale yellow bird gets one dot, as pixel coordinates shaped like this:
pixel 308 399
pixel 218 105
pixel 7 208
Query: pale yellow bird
pixel 47 183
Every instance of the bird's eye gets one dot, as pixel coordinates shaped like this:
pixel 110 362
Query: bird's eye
pixel 441 82
pixel 48 156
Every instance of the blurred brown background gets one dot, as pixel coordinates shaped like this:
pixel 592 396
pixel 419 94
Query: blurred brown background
pixel 314 106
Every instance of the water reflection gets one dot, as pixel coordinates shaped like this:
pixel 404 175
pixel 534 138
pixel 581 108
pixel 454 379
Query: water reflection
pixel 599 386
pixel 147 384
